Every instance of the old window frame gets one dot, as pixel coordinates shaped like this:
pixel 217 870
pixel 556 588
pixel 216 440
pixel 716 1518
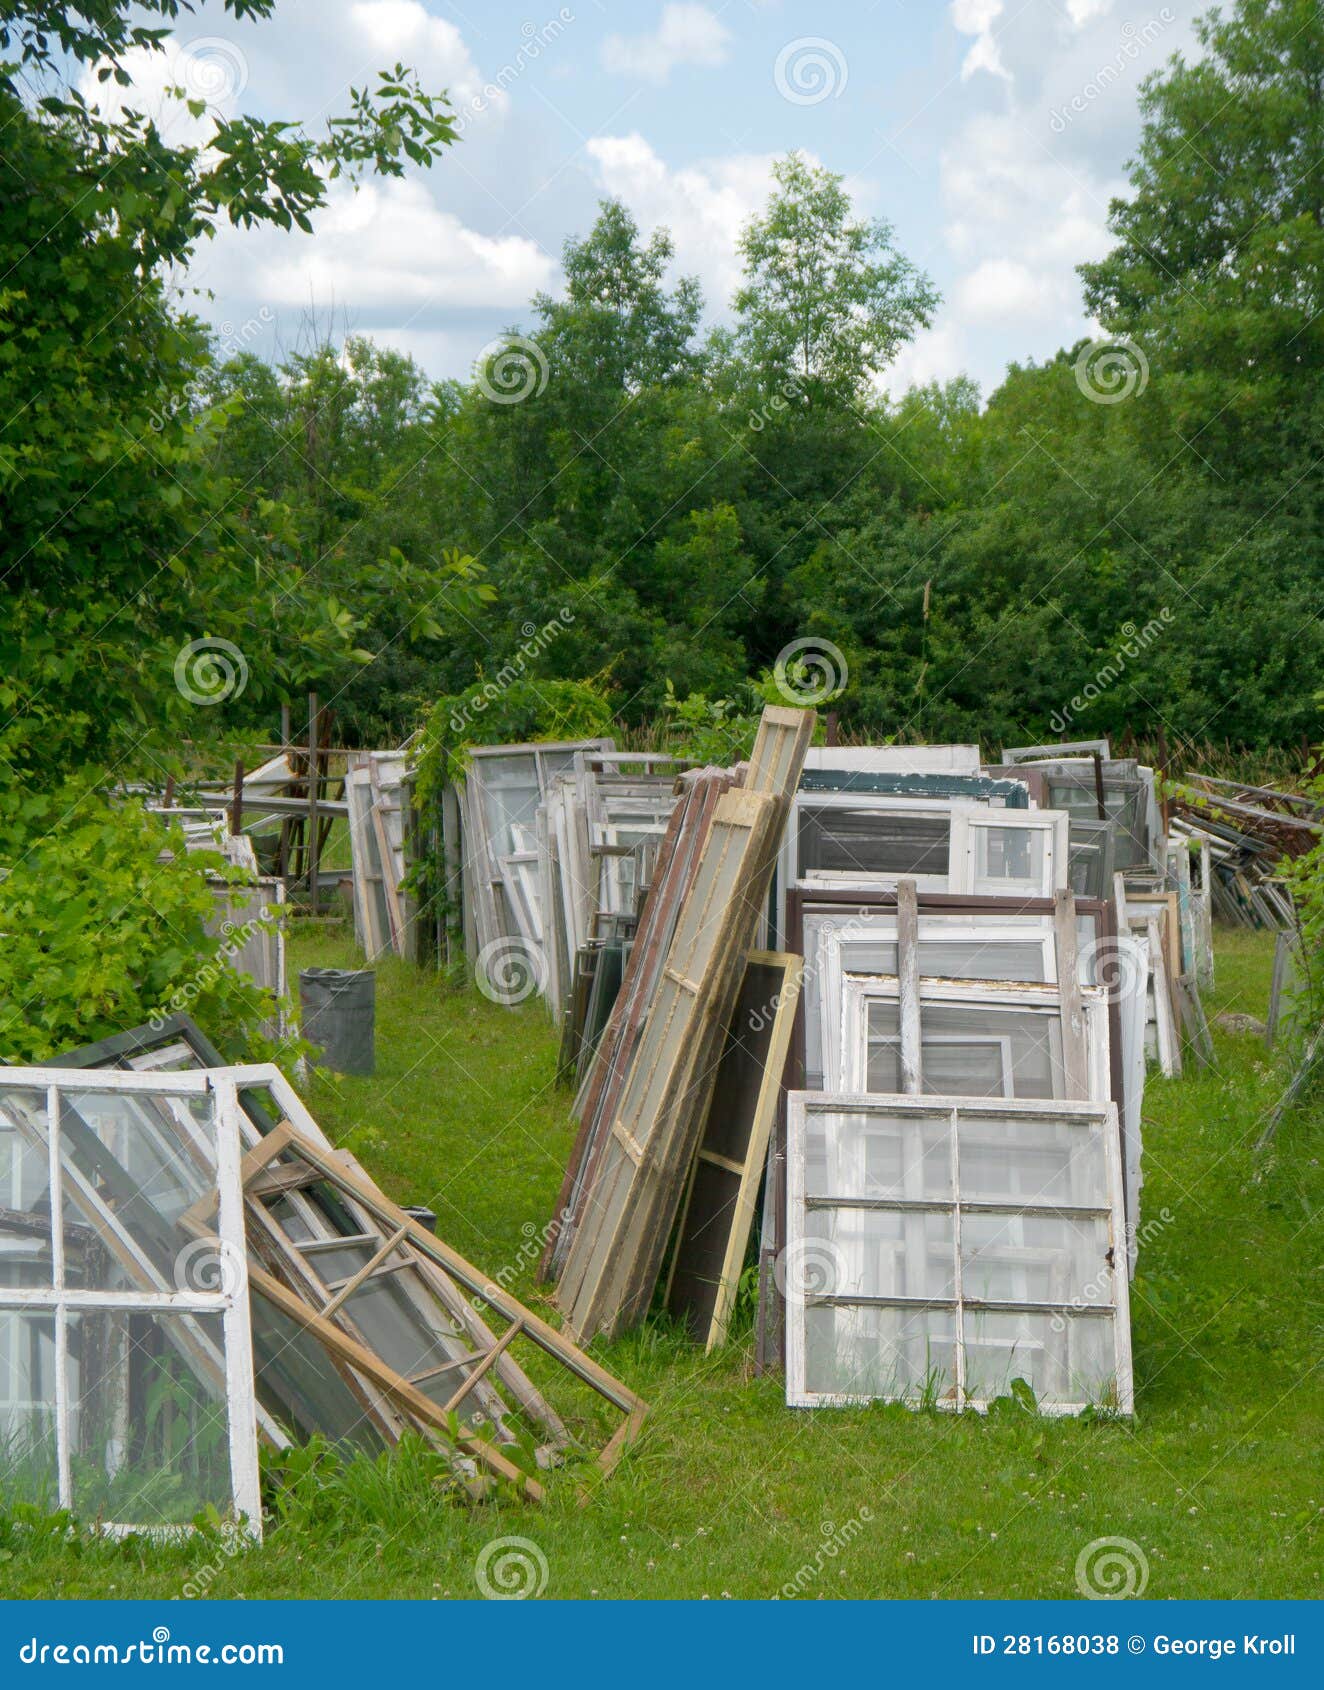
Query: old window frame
pixel 154 1296
pixel 1097 1118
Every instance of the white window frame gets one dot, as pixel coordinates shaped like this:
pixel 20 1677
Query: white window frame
pixel 229 1300
pixel 968 821
pixel 850 1072
pixel 1098 1119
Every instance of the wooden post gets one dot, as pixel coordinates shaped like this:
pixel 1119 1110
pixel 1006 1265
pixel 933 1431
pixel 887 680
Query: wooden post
pixel 169 798
pixel 1163 776
pixel 237 798
pixel 312 853
pixel 1098 787
pixel 830 723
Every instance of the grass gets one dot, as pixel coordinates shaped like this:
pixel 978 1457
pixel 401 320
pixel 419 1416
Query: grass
pixel 730 1493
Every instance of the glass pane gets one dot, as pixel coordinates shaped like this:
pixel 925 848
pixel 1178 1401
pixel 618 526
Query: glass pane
pixel 1031 1047
pixel 145 1160
pixel 983 959
pixel 25 1200
pixel 149 1440
pixel 880 1352
pixel 510 794
pixel 865 841
pixel 29 1469
pixel 878 1253
pixel 1008 859
pixel 1035 1259
pixel 877 1155
pixel 965 1066
pixel 1066 1360
pixel 298 1383
pixel 1032 1161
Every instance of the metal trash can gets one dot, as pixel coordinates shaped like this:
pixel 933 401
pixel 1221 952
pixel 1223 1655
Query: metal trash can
pixel 340 1017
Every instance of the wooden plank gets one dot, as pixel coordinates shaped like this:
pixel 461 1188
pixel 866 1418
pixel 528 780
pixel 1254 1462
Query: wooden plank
pixel 1075 1056
pixel 485 1291
pixel 907 948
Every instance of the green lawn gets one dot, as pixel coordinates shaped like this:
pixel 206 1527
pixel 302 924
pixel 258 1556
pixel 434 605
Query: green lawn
pixel 730 1493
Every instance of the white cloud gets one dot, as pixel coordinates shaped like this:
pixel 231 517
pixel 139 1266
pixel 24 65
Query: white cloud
pixel 686 34
pixel 977 17
pixel 161 82
pixel 935 354
pixel 404 32
pixel 705 206
pixel 385 248
pixel 1002 288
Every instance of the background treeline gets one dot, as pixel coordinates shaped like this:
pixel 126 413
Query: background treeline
pixel 698 501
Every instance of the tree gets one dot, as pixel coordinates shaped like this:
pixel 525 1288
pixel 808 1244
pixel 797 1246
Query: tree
pixel 119 545
pixel 1220 261
pixel 828 301
pixel 618 327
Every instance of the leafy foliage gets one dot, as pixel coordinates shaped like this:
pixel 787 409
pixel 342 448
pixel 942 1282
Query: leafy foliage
pixel 100 936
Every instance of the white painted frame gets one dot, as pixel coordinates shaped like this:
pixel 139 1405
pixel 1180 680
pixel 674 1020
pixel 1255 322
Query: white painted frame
pixel 1097 1118
pixel 968 821
pixel 230 1300
pixel 860 990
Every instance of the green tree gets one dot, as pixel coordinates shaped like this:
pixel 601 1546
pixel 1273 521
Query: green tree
pixel 827 301
pixel 119 544
pixel 1219 267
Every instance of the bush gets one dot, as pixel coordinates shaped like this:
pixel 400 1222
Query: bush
pixel 100 936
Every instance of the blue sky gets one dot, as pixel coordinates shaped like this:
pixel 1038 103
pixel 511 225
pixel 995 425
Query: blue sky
pixel 990 133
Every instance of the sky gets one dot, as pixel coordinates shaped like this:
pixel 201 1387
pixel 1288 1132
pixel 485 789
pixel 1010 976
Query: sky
pixel 989 133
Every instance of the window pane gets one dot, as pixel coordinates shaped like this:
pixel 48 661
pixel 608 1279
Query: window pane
pixel 25 1200
pixel 28 1464
pixel 841 841
pixel 1033 1048
pixel 877 1155
pixel 148 1431
pixel 1031 1161
pixel 1034 1259
pixel 873 1352
pixel 146 1160
pixel 878 1253
pixel 1065 1360
pixel 1008 859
